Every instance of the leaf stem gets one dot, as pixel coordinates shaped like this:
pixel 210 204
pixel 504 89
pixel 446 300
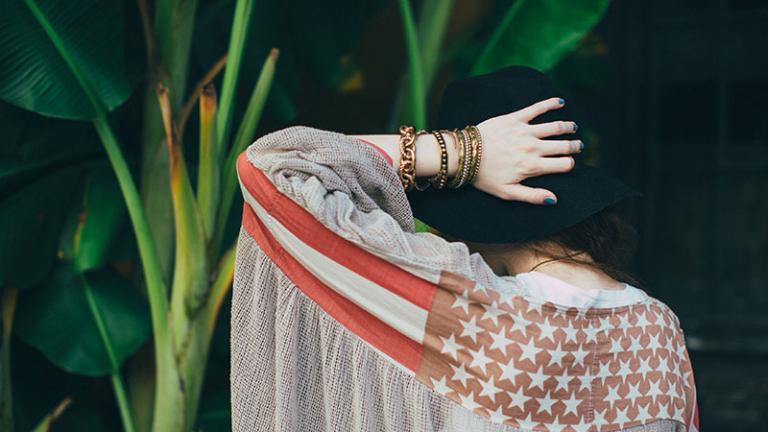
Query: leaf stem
pixel 117 381
pixel 122 401
pixel 155 291
pixel 47 421
pixel 240 24
pixel 208 176
pixel 186 109
pixel 498 31
pixel 244 135
pixel 415 69
pixel 221 285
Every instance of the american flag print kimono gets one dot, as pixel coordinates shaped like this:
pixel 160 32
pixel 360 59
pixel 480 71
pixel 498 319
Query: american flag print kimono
pixel 345 319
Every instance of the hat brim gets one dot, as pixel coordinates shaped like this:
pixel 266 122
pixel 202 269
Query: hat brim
pixel 473 215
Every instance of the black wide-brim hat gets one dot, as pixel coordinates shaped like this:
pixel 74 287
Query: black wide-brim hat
pixel 472 215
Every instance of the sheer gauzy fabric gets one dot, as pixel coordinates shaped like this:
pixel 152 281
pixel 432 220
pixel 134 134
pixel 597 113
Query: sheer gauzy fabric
pixel 345 319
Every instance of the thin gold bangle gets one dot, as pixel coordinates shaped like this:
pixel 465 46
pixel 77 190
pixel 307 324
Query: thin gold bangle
pixel 477 151
pixel 473 152
pixel 457 178
pixel 465 166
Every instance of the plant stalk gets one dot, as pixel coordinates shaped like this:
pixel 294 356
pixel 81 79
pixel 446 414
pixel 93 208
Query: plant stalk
pixel 190 276
pixel 195 356
pixel 167 400
pixel 47 421
pixel 168 41
pixel 498 32
pixel 244 136
pixel 220 287
pixel 117 381
pixel 415 68
pixel 208 175
pixel 158 302
pixel 240 24
pixel 432 23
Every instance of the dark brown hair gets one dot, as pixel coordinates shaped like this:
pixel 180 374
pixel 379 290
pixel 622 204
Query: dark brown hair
pixel 604 236
pixel 608 240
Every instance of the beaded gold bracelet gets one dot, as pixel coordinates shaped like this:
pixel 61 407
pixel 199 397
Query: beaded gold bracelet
pixel 441 178
pixel 456 144
pixel 416 185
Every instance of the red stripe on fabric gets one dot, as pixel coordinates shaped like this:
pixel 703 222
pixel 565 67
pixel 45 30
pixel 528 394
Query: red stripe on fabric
pixel 383 153
pixel 304 226
pixel 394 344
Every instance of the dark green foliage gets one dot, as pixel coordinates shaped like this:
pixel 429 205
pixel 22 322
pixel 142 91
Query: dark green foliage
pixel 56 319
pixel 65 242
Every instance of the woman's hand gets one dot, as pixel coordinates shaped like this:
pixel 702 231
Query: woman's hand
pixel 514 150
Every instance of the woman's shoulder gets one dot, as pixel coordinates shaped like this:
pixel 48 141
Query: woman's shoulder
pixel 658 306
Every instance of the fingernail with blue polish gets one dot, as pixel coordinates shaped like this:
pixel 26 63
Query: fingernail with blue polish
pixel 562 101
pixel 581 146
pixel 575 127
pixel 550 201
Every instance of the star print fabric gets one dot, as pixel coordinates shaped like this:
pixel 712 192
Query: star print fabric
pixel 550 368
pixel 344 318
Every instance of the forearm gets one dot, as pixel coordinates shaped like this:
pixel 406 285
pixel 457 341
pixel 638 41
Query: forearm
pixel 427 152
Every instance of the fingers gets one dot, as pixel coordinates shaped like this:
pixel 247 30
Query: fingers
pixel 553 165
pixel 518 192
pixel 558 147
pixel 553 128
pixel 529 113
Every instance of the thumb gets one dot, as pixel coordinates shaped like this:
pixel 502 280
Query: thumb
pixel 518 192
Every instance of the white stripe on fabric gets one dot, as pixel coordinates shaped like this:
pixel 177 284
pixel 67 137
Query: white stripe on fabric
pixel 428 275
pixel 400 314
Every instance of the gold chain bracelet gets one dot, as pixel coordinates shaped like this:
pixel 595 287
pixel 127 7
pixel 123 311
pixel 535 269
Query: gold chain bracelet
pixel 407 166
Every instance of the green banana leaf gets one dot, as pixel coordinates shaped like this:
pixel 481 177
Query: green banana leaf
pixel 39 39
pixel 538 33
pixel 34 147
pixel 32 219
pixel 94 221
pixel 56 319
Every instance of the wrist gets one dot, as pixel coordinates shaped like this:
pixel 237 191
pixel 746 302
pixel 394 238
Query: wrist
pixel 427 156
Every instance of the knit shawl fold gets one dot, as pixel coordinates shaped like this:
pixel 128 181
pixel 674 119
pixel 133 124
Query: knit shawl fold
pixel 345 319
